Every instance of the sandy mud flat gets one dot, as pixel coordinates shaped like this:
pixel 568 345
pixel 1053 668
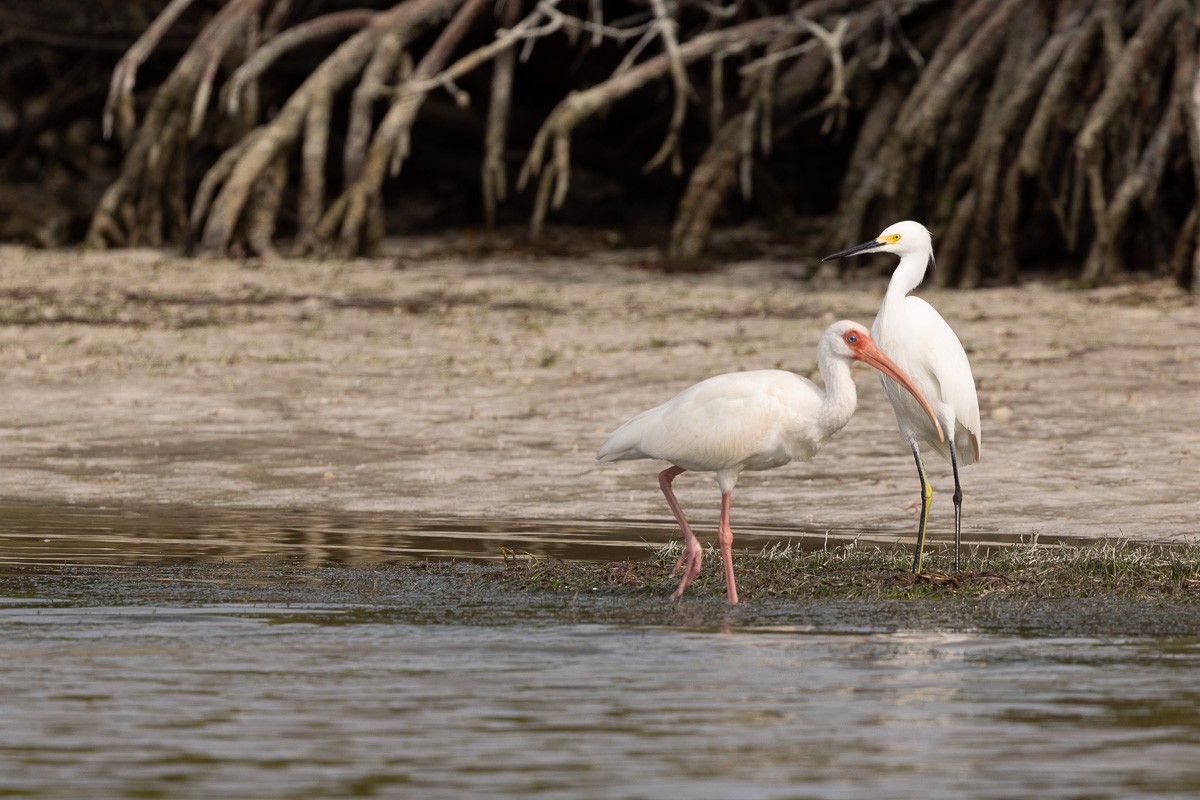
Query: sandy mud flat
pixel 443 385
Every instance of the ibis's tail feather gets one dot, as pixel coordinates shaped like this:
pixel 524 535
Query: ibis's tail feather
pixel 626 441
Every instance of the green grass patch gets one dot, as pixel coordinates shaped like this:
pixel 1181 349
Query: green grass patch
pixel 1029 570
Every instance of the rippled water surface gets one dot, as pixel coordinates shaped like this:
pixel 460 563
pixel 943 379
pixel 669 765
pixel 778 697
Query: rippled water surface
pixel 121 689
pixel 231 702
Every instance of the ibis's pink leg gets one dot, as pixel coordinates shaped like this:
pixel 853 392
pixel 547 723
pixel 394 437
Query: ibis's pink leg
pixel 725 538
pixel 690 558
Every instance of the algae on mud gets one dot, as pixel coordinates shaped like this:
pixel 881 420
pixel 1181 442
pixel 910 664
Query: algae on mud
pixel 1111 589
pixel 1027 571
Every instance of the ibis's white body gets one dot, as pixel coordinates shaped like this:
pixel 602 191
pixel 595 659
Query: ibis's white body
pixel 739 421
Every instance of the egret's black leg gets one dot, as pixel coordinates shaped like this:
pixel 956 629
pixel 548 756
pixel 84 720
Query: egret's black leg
pixel 957 503
pixel 926 500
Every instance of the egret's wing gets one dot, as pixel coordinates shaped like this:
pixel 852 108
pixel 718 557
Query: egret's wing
pixel 950 368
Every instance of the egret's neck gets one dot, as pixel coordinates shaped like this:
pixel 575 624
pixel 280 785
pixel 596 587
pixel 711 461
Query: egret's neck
pixel 908 275
pixel 841 397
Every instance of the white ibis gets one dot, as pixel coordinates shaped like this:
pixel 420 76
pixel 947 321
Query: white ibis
pixel 754 420
pixel 916 337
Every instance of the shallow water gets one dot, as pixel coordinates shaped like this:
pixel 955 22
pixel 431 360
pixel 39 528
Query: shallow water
pixel 35 535
pixel 164 652
pixel 231 701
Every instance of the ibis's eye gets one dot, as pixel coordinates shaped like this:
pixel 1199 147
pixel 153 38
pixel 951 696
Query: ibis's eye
pixel 851 338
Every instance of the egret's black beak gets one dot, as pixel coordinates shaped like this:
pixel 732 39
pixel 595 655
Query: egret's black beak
pixel 865 247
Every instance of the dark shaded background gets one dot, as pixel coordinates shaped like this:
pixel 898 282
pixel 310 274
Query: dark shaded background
pixel 57 56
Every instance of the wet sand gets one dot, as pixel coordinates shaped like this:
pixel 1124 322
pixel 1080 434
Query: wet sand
pixel 448 385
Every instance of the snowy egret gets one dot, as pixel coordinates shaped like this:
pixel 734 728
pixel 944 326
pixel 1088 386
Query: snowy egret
pixel 916 337
pixel 754 420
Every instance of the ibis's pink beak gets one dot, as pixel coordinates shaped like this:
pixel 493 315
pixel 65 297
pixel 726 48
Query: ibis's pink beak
pixel 869 353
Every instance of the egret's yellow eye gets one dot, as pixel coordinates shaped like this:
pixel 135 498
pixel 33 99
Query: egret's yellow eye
pixel 895 237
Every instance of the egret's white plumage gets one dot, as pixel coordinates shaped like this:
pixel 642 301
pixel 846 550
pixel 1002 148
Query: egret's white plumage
pixel 754 420
pixel 922 344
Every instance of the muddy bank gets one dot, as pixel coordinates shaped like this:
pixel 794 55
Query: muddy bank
pixel 438 385
pixel 481 595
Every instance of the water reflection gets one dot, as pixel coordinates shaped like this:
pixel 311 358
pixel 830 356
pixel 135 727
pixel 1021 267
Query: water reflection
pixel 35 535
pixel 32 535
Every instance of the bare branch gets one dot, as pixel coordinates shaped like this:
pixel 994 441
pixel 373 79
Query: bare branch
pixel 835 101
pixel 528 29
pixel 577 106
pixel 775 57
pixel 119 104
pixel 314 153
pixel 282 131
pixel 1120 83
pixel 262 59
pixel 375 77
pixel 666 27
pixel 389 146
pixel 493 172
